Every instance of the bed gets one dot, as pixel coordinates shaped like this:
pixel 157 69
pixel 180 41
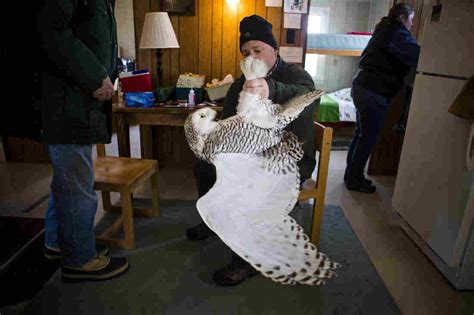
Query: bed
pixel 337 44
pixel 336 107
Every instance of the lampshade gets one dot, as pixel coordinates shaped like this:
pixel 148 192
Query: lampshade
pixel 158 32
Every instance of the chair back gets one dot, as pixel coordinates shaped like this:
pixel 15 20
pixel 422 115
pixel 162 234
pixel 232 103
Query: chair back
pixel 323 139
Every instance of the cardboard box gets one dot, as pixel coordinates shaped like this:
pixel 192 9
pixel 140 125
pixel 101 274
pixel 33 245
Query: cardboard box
pixel 218 92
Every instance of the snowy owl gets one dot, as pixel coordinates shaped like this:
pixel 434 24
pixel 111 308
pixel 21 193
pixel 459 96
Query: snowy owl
pixel 208 137
pixel 257 185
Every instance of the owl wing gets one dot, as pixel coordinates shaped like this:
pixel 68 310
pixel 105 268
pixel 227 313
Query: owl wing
pixel 293 108
pixel 234 135
pixel 283 157
pixel 248 208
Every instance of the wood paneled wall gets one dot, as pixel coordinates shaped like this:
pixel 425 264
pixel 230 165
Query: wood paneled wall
pixel 209 40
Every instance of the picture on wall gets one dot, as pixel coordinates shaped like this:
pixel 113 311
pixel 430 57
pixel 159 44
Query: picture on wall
pixel 179 7
pixel 295 6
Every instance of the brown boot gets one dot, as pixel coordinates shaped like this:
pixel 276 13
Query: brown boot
pixel 55 253
pixel 97 269
pixel 234 274
pixel 199 232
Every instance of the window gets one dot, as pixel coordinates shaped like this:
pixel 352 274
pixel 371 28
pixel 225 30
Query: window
pixel 318 22
pixel 314 24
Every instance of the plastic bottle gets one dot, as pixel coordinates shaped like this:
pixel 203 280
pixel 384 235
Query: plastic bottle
pixel 191 98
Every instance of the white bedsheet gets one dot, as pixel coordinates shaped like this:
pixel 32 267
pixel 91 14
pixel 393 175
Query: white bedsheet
pixel 347 110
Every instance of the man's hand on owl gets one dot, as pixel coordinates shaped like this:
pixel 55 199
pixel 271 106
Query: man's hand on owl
pixel 257 86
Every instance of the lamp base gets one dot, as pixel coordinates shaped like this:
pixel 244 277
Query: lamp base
pixel 159 70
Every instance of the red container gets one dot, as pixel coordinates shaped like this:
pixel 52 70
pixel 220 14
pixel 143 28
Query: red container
pixel 136 81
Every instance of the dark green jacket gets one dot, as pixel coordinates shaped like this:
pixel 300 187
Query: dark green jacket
pixel 79 44
pixel 286 81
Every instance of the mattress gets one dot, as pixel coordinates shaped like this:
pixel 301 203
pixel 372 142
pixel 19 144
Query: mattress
pixel 338 41
pixel 337 106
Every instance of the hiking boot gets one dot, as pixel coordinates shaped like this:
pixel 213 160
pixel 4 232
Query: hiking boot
pixel 360 186
pixel 364 180
pixel 97 269
pixel 234 274
pixel 55 253
pixel 199 232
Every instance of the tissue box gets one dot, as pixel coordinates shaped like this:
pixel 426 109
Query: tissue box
pixel 139 99
pixel 218 92
pixel 182 94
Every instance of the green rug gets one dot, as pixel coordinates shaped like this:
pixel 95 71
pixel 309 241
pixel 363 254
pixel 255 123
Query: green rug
pixel 171 275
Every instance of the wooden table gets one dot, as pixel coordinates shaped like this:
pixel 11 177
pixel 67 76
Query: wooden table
pixel 146 118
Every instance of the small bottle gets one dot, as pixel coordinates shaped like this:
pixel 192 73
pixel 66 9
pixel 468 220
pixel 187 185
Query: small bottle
pixel 191 98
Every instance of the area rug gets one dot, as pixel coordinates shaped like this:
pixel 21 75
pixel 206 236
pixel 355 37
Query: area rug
pixel 171 275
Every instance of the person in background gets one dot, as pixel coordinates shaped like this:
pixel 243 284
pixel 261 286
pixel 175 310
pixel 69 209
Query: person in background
pixel 78 44
pixel 283 82
pixel 385 62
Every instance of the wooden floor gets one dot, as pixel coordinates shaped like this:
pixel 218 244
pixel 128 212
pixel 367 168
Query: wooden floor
pixel 415 284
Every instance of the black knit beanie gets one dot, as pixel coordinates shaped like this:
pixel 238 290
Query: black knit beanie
pixel 255 27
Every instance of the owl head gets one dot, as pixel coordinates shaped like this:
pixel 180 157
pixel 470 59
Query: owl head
pixel 197 127
pixel 253 68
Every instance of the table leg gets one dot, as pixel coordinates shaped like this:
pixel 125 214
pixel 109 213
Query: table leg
pixel 123 135
pixel 146 141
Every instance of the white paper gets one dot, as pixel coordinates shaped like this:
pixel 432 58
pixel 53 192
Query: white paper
pixel 273 3
pixel 292 54
pixel 295 6
pixel 291 20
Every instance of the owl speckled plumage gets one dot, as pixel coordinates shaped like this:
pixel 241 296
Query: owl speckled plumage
pixel 257 186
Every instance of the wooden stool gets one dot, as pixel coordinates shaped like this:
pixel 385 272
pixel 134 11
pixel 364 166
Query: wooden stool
pixel 124 175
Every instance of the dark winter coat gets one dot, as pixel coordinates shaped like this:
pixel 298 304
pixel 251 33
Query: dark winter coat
pixel 387 59
pixel 77 50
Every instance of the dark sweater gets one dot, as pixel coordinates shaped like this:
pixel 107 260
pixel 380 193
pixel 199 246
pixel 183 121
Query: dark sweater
pixel 387 59
pixel 285 82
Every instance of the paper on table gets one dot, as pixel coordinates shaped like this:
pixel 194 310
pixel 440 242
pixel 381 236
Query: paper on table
pixel 292 21
pixel 292 54
pixel 273 3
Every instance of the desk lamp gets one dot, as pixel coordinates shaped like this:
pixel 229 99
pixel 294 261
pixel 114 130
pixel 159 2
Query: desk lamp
pixel 157 34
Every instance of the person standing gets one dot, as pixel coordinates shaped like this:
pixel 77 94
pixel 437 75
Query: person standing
pixel 78 52
pixel 283 82
pixel 385 62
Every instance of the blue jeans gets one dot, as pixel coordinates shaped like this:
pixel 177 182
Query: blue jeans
pixel 371 111
pixel 69 220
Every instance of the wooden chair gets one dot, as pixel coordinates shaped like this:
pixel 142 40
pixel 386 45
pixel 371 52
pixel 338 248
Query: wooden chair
pixel 317 189
pixel 124 175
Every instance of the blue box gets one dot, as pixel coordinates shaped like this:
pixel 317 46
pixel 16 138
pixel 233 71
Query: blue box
pixel 182 94
pixel 139 99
